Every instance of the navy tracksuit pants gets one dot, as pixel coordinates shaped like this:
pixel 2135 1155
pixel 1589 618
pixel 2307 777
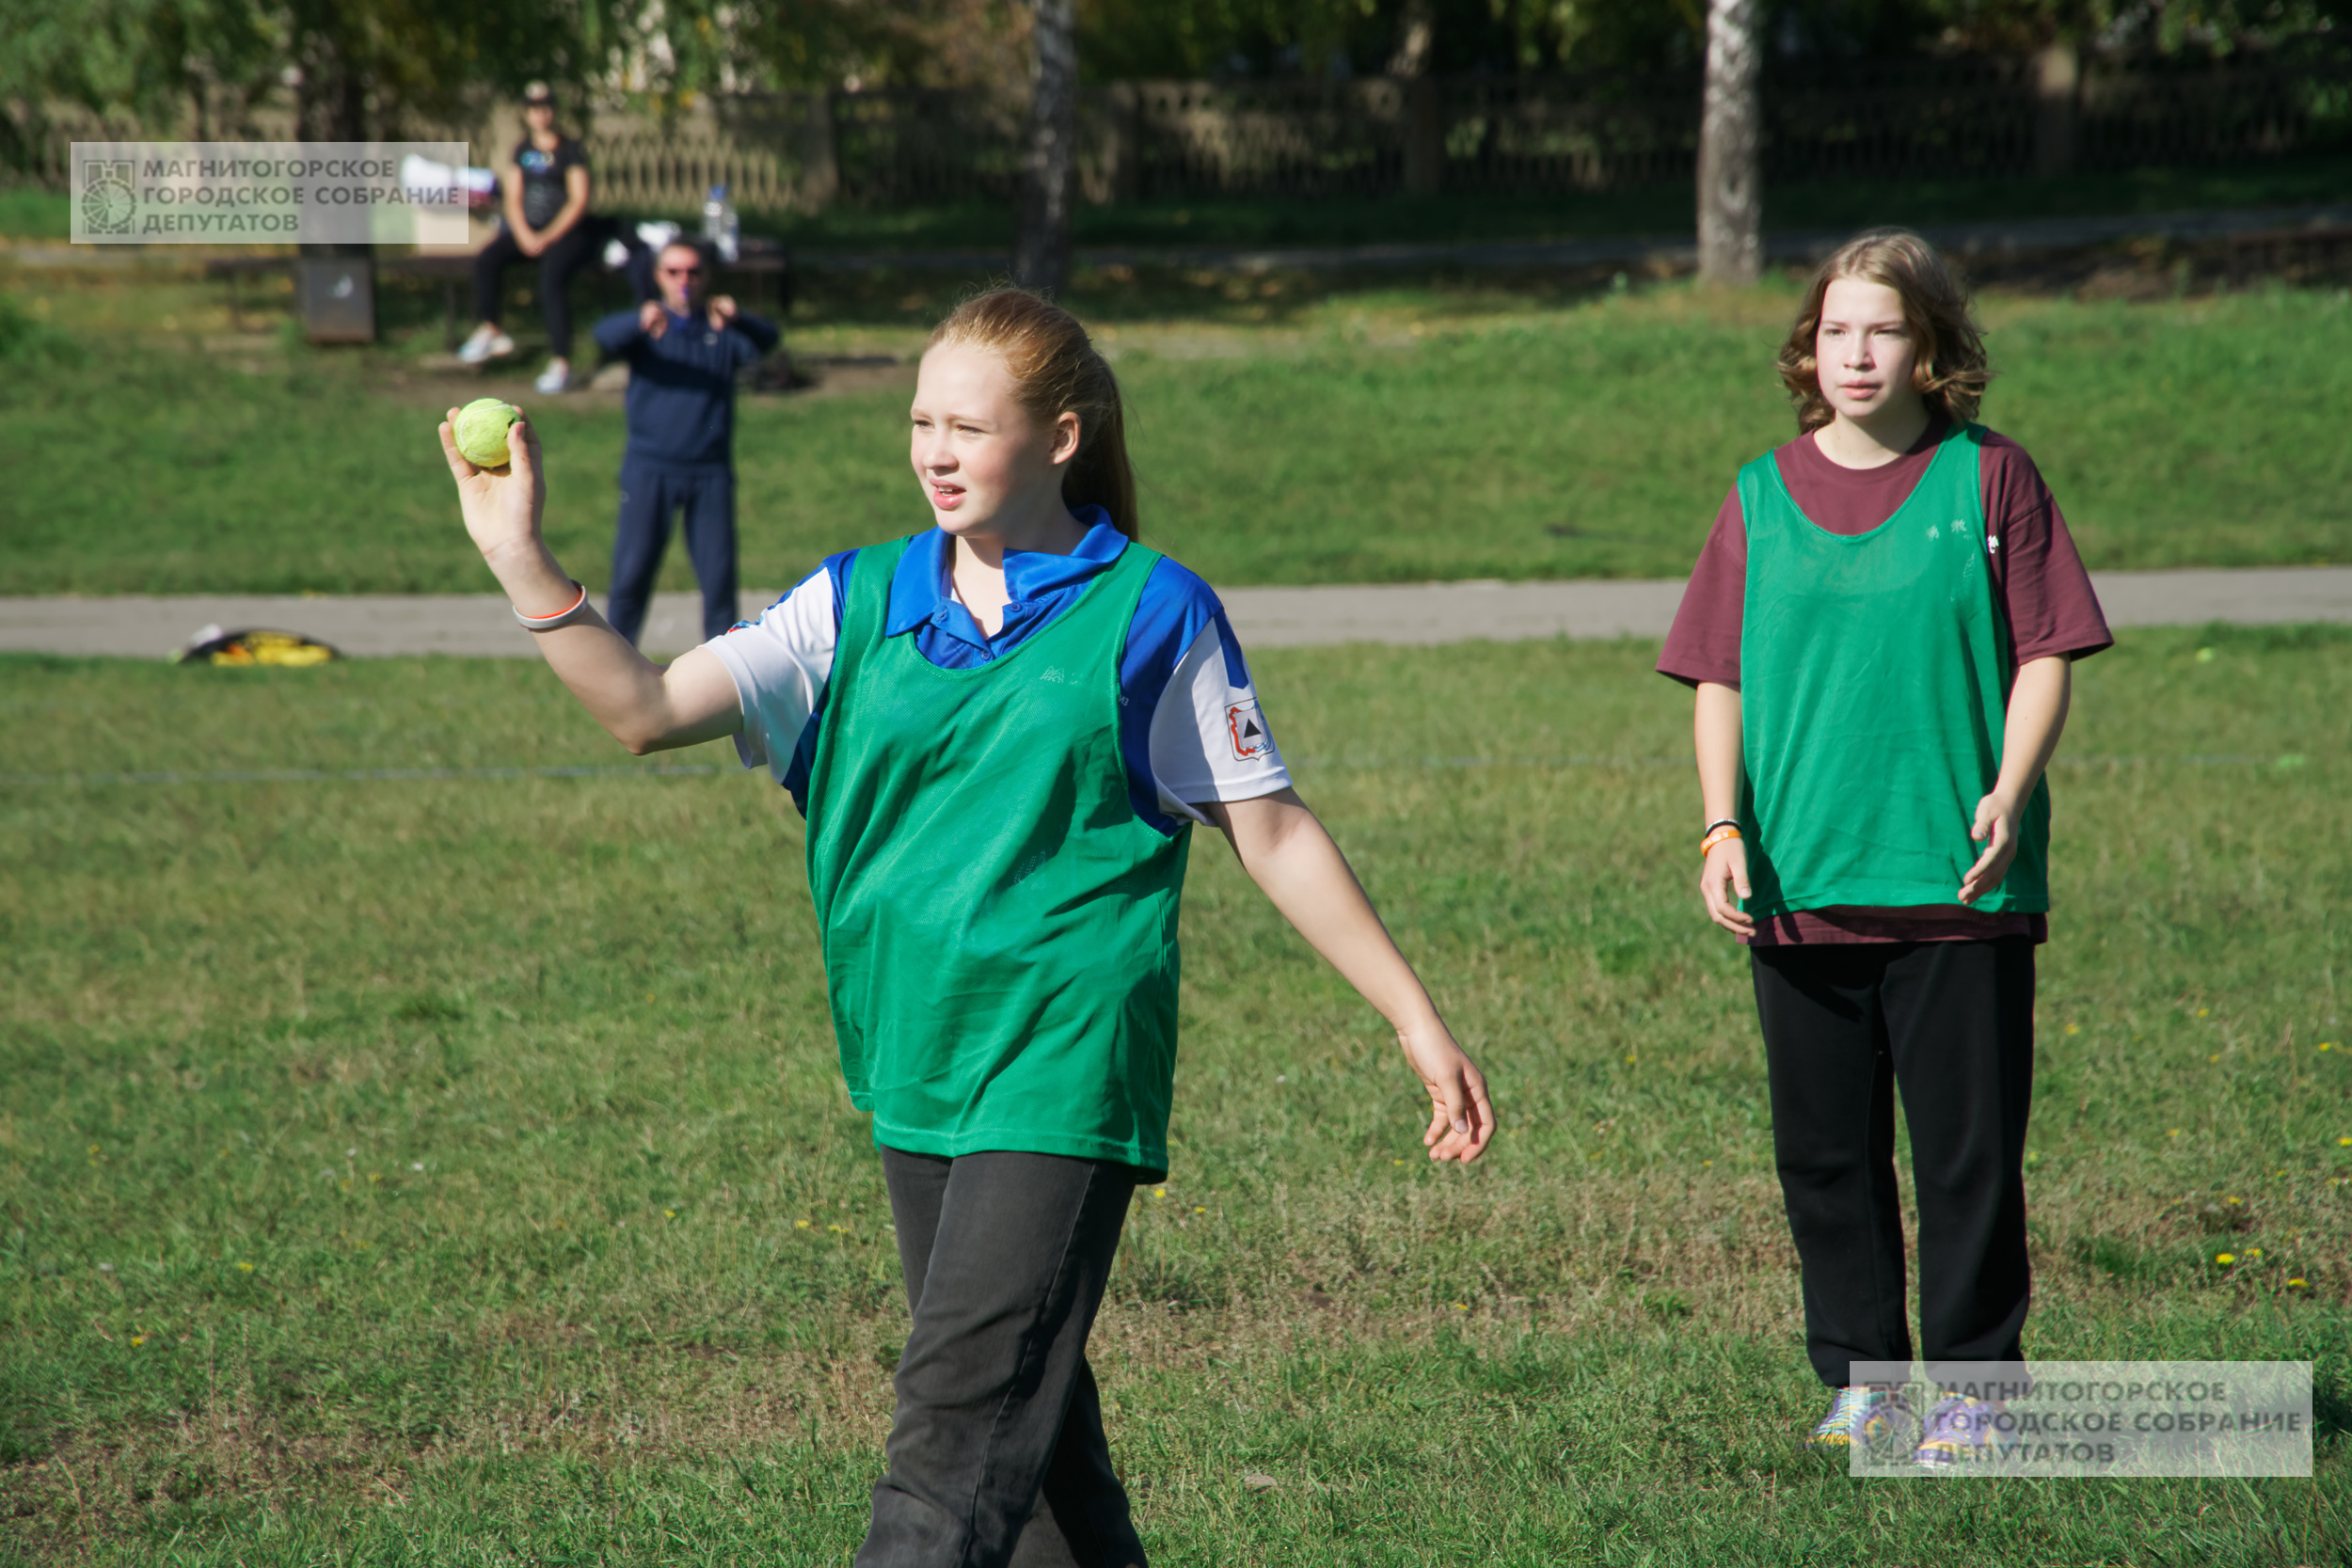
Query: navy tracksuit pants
pixel 651 494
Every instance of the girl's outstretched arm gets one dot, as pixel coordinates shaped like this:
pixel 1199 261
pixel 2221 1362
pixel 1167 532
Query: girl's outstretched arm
pixel 646 707
pixel 1291 857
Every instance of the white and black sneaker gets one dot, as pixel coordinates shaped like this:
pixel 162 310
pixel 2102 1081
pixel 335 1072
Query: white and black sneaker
pixel 487 343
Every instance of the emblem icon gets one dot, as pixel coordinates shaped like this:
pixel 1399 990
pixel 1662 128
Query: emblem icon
pixel 107 197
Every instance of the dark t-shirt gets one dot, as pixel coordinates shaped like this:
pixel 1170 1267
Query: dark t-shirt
pixel 2044 593
pixel 544 174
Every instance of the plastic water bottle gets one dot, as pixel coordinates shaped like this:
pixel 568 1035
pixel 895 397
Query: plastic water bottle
pixel 720 226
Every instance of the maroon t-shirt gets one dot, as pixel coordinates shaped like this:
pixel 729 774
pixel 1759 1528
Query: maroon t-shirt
pixel 2044 593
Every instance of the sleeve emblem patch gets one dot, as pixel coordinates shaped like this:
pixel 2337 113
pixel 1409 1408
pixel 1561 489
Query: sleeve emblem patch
pixel 1246 726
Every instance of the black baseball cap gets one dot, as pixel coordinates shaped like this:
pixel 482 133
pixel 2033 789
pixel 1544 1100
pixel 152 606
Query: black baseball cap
pixel 537 93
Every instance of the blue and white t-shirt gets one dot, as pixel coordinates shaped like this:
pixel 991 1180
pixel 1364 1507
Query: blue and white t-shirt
pixel 1189 729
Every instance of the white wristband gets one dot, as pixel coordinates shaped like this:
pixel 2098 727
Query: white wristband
pixel 564 617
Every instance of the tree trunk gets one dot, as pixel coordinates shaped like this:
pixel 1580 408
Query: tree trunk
pixel 334 284
pixel 1731 193
pixel 821 159
pixel 1424 118
pixel 2058 73
pixel 1040 253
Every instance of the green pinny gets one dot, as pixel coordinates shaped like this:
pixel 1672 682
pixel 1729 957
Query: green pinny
pixel 999 926
pixel 1874 680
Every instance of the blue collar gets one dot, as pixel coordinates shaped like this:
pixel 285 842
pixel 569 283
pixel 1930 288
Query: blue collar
pixel 919 591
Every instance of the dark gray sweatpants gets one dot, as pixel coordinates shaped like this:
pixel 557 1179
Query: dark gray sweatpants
pixel 997 1455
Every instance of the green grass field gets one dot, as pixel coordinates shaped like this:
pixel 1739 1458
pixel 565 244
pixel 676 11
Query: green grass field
pixel 1399 435
pixel 455 1171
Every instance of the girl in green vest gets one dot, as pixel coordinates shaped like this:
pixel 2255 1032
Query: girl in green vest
pixel 1002 730
pixel 1879 631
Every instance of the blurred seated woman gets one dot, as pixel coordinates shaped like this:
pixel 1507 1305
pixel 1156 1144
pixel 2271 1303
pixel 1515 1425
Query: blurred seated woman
pixel 546 220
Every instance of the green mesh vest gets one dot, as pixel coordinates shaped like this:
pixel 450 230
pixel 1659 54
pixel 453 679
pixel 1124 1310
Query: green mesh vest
pixel 999 926
pixel 1874 680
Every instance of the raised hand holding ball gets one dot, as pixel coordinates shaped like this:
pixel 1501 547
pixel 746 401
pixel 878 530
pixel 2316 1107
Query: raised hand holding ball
pixel 502 505
pixel 481 428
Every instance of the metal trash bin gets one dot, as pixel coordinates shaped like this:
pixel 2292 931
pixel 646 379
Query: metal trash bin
pixel 335 296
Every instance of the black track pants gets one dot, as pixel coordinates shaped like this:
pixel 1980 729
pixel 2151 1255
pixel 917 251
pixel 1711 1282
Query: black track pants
pixel 997 1455
pixel 1951 1025
pixel 578 248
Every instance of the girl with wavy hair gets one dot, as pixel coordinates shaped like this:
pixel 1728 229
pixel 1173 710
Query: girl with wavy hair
pixel 1002 730
pixel 1880 629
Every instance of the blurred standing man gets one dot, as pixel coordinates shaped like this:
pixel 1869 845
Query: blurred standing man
pixel 683 352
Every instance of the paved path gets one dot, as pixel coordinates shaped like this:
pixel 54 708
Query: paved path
pixel 1413 614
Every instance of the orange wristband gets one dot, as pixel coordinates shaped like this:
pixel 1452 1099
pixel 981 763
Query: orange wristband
pixel 1706 844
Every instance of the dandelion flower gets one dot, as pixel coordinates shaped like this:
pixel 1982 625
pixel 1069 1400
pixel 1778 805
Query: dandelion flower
pixel 2225 1257
pixel 2214 1057
pixel 2202 1011
pixel 1199 1211
pixel 246 1268
pixel 2327 1045
pixel 669 1213
pixel 2172 1131
pixel 2253 1252
pixel 2343 1143
pixel 1159 1191
pixel 2073 1028
pixel 93 1149
pixel 2295 1284
pixel 1461 1306
pixel 800 1224
pixel 137 1340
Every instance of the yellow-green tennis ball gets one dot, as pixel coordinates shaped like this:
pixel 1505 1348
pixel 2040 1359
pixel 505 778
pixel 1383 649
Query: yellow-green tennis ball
pixel 482 431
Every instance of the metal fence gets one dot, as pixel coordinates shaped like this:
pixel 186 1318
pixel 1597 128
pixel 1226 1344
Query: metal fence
pixel 1962 118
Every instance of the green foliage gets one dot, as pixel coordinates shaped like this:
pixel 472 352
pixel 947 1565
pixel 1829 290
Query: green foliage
pixel 1321 38
pixel 239 1324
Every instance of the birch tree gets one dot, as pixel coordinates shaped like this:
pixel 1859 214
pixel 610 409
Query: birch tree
pixel 1731 192
pixel 1041 254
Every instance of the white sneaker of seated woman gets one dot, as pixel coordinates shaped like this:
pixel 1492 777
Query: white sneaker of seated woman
pixel 557 377
pixel 487 343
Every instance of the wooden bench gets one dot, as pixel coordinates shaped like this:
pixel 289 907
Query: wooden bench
pixel 2270 250
pixel 762 263
pixel 236 269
